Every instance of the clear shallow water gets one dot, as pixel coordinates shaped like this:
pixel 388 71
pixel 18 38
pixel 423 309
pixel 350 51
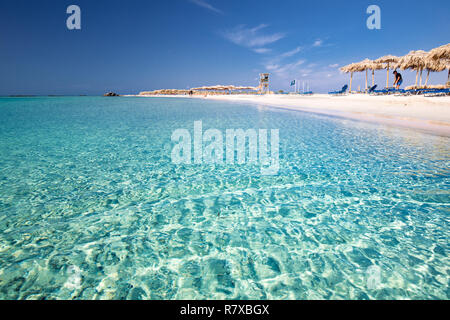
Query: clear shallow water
pixel 91 206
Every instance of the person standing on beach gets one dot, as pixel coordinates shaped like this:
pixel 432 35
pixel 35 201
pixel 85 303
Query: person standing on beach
pixel 398 79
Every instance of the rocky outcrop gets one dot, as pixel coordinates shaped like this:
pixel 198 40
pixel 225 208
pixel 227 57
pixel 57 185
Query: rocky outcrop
pixel 111 94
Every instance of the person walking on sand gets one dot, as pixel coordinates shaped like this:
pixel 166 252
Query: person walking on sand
pixel 398 79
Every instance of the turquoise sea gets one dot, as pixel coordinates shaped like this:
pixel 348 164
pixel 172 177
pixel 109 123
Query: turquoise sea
pixel 92 207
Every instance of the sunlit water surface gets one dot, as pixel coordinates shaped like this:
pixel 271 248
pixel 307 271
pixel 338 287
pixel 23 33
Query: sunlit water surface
pixel 91 206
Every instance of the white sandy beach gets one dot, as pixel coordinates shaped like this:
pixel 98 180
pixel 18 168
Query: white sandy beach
pixel 430 114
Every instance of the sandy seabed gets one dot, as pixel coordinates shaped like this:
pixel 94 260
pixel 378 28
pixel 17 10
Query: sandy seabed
pixel 431 114
pixel 424 113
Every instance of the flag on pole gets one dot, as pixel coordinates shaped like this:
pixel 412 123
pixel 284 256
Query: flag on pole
pixel 292 83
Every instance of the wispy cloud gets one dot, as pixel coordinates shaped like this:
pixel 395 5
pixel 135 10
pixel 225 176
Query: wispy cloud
pixel 284 66
pixel 291 53
pixel 285 70
pixel 318 43
pixel 262 50
pixel 252 37
pixel 276 65
pixel 272 67
pixel 205 4
pixel 334 65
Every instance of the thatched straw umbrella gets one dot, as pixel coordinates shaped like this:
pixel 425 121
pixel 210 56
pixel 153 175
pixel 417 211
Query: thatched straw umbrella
pixel 350 68
pixel 371 65
pixel 414 60
pixel 375 66
pixel 364 66
pixel 388 61
pixel 435 66
pixel 442 54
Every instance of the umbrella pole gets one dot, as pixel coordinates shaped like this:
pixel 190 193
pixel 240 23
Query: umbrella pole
pixel 428 75
pixel 373 77
pixel 351 79
pixel 417 77
pixel 448 78
pixel 420 77
pixel 366 81
pixel 387 77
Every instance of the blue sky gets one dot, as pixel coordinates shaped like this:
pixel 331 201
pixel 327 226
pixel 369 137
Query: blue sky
pixel 135 45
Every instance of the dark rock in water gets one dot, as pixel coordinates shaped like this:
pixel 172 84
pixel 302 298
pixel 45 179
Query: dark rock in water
pixel 137 294
pixel 111 94
pixel 273 264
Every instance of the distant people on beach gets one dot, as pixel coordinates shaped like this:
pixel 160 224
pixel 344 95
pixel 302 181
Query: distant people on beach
pixel 398 79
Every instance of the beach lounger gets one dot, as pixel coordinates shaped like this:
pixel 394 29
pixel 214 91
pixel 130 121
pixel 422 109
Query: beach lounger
pixel 372 89
pixel 342 91
pixel 410 92
pixel 428 92
pixel 436 92
pixel 388 91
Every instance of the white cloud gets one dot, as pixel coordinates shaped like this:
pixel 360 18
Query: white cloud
pixel 286 70
pixel 283 66
pixel 205 4
pixel 291 53
pixel 272 67
pixel 264 40
pixel 318 43
pixel 251 37
pixel 273 62
pixel 261 50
